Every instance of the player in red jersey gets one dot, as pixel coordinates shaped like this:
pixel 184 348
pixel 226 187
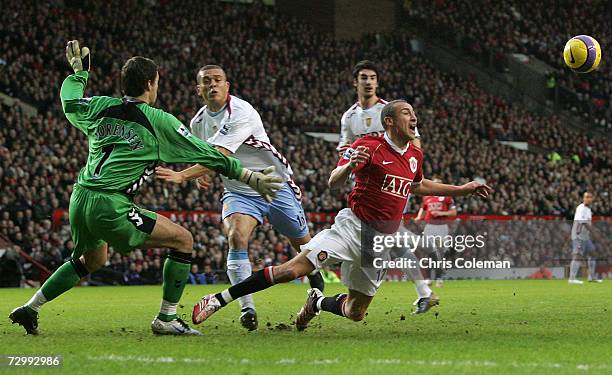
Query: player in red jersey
pixel 386 169
pixel 436 212
pixel 363 118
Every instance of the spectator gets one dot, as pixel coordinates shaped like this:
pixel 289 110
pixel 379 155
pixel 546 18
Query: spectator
pixel 460 122
pixel 209 275
pixel 11 272
pixel 151 272
pixel 540 28
pixel 195 277
pixel 133 276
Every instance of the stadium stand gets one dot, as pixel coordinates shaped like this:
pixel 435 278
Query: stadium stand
pixel 540 29
pixel 298 80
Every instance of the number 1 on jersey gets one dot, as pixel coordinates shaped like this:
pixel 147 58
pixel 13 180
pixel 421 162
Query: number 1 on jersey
pixel 106 152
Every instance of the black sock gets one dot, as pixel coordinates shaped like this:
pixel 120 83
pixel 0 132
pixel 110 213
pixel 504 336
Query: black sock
pixel 316 281
pixel 259 280
pixel 334 304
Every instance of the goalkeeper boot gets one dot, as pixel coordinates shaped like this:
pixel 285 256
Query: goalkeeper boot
pixel 174 327
pixel 248 319
pixel 424 304
pixel 309 310
pixel 27 318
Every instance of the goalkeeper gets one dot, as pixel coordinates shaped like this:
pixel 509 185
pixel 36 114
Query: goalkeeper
pixel 127 138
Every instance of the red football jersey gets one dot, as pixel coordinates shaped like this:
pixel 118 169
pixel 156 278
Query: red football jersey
pixel 432 203
pixel 383 183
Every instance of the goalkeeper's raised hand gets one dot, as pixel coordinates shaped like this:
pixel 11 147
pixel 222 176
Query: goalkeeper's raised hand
pixel 262 182
pixel 75 56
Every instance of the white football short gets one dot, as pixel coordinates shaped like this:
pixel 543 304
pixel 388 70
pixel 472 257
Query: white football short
pixel 342 244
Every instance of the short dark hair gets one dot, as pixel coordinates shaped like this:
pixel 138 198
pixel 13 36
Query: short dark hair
pixel 135 74
pixel 212 66
pixel 364 64
pixel 389 111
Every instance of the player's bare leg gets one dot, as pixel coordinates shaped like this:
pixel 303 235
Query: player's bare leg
pixel 95 259
pixel 260 280
pixel 239 228
pixel 176 268
pixel 315 278
pixel 353 306
pixel 356 305
pixel 62 280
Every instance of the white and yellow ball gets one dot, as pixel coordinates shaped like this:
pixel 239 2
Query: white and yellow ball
pixel 582 54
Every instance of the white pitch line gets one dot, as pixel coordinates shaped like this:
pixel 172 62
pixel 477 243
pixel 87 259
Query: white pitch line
pixel 372 361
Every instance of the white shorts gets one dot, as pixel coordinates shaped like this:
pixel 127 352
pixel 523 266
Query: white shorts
pixel 342 244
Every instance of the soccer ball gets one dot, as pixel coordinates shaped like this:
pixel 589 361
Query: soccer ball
pixel 582 54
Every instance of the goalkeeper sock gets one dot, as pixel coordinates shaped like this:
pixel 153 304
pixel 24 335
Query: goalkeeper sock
pixel 62 280
pixel 260 280
pixel 238 270
pixel 35 303
pixel 176 270
pixel 334 305
pixel 167 311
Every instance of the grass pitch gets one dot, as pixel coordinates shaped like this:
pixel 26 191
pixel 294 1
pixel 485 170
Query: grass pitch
pixel 505 327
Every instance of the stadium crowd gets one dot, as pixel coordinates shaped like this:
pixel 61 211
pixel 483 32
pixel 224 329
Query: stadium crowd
pixel 539 28
pixel 298 80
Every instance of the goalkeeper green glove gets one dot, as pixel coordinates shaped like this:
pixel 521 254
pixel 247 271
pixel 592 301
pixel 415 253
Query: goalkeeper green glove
pixel 262 182
pixel 75 56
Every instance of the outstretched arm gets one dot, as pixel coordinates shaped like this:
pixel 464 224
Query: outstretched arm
pixel 178 145
pixel 195 172
pixel 428 187
pixel 73 87
pixel 80 111
pixel 73 104
pixel 449 213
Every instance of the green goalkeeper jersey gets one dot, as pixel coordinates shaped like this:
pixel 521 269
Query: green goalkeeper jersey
pixel 127 138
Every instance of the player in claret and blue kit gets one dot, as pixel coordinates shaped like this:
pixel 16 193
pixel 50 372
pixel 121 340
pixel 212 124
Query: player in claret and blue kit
pixel 386 169
pixel 234 127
